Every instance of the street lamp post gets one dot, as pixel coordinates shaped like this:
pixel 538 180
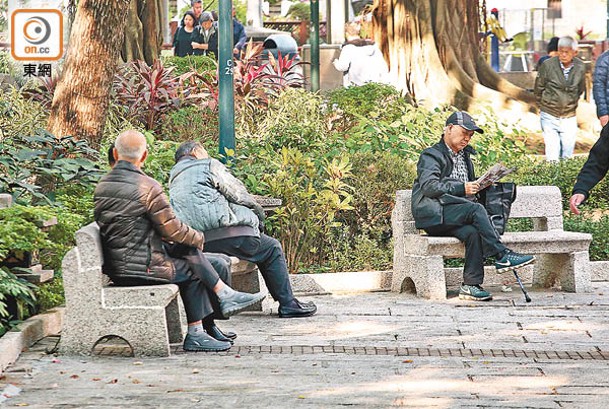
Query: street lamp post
pixel 314 40
pixel 226 98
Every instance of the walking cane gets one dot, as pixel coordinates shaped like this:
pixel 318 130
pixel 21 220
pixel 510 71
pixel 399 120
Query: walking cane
pixel 526 295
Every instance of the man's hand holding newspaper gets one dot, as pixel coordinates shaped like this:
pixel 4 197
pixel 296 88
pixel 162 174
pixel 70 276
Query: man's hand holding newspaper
pixel 493 175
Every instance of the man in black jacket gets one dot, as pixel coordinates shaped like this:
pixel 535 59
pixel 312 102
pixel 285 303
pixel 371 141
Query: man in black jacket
pixel 144 243
pixel 592 172
pixel 444 204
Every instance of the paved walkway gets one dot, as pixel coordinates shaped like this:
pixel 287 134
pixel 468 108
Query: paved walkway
pixel 371 350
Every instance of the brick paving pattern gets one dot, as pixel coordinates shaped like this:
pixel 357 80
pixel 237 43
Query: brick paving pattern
pixel 372 350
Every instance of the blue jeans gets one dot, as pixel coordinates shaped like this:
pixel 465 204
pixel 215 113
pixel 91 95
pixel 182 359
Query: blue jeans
pixel 559 135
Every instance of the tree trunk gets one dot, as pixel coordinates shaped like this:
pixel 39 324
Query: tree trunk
pixel 82 95
pixel 144 31
pixel 133 41
pixel 432 48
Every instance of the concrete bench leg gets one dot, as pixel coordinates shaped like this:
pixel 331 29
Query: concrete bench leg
pixel 425 272
pixel 146 340
pixel 174 321
pixel 571 270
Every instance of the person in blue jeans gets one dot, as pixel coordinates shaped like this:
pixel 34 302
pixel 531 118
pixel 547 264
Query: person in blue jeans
pixel 205 195
pixel 444 204
pixel 558 86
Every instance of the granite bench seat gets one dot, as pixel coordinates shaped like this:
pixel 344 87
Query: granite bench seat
pixel 562 256
pixel 147 317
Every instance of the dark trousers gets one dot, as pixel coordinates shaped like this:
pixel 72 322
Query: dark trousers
pixel 196 276
pixel 267 254
pixel 469 223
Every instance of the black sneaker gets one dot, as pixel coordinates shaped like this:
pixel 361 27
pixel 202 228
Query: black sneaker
pixel 512 260
pixel 474 293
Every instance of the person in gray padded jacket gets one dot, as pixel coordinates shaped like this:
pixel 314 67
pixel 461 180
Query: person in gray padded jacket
pixel 204 194
pixel 144 243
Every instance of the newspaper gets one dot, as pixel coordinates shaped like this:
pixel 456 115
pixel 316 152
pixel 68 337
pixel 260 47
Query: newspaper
pixel 493 175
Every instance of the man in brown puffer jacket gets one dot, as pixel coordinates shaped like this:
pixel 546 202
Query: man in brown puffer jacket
pixel 145 243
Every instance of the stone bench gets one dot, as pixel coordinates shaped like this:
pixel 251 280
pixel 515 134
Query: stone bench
pixel 147 317
pixel 562 256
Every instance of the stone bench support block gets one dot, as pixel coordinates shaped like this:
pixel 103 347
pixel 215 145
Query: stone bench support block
pixel 147 317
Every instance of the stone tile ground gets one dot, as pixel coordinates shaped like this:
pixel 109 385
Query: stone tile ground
pixel 371 350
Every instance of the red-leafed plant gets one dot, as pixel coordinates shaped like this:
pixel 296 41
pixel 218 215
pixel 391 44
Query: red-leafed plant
pixel 42 90
pixel 148 93
pixel 257 81
pixel 581 33
pixel 283 72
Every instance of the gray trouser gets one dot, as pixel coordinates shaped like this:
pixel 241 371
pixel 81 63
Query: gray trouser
pixel 196 274
pixel 267 254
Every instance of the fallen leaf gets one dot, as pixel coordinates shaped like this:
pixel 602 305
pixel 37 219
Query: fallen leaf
pixel 407 361
pixel 74 377
pixel 138 363
pixel 237 356
pixel 135 381
pixel 96 379
pixel 55 361
pixel 301 397
pixel 22 404
pixel 195 370
pixel 113 381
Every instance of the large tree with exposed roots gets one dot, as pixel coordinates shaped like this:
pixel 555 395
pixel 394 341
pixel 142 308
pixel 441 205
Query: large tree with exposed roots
pixel 81 99
pixel 433 50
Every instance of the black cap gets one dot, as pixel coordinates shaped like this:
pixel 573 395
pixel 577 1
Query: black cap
pixel 464 120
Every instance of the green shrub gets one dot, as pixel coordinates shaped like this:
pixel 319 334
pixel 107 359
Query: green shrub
pixel 19 116
pixel 20 229
pixel 160 160
pixel 562 174
pixel 7 64
pixel 359 253
pixel 34 167
pixel 199 63
pixel 190 123
pixel 19 233
pixel 375 179
pixel 50 295
pixel 599 228
pixel 300 11
pixel 369 100
pixel 311 201
pixel 21 292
